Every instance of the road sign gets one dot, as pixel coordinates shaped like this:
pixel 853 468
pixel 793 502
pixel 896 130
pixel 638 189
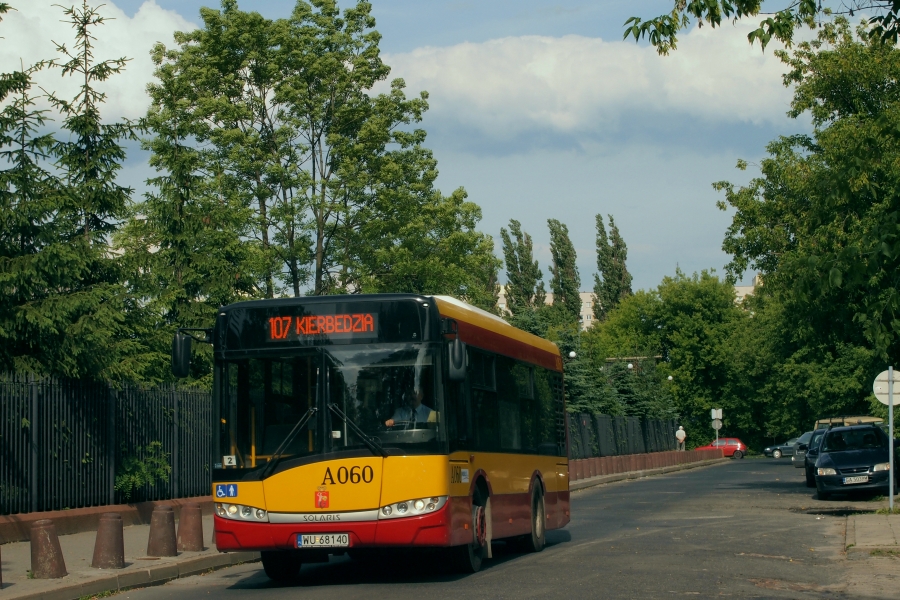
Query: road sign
pixel 717 424
pixel 880 387
pixel 715 413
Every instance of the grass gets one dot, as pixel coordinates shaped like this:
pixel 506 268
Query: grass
pixel 29 574
pixel 888 553
pixel 887 511
pixel 849 546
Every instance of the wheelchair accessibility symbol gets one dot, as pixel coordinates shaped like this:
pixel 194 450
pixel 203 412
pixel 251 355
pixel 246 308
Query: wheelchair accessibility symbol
pixel 226 490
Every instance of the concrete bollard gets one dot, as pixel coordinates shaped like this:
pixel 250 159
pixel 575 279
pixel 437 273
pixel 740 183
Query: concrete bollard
pixel 190 528
pixel 109 547
pixel 46 556
pixel 162 532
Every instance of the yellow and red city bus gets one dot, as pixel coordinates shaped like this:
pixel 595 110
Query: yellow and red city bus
pixel 373 421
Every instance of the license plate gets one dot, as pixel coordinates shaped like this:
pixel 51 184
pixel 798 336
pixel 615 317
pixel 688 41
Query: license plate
pixel 858 479
pixel 324 540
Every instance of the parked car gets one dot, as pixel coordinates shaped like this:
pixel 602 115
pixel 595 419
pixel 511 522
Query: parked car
pixel 779 450
pixel 730 446
pixel 812 453
pixel 799 457
pixel 853 458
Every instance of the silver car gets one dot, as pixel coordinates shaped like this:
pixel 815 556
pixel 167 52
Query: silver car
pixel 799 457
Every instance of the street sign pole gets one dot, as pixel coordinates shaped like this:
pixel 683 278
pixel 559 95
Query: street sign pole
pixel 886 378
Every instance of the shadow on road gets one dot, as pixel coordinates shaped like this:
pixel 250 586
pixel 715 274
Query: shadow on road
pixel 389 567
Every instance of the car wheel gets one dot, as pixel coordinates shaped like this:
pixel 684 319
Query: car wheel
pixel 738 454
pixel 810 479
pixel 776 454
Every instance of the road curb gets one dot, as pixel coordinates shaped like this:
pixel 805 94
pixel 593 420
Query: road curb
pixel 156 575
pixel 604 479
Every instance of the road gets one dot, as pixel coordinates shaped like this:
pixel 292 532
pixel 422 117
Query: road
pixel 745 529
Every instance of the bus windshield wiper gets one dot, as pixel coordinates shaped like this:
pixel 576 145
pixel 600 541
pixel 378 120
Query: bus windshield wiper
pixel 368 440
pixel 282 448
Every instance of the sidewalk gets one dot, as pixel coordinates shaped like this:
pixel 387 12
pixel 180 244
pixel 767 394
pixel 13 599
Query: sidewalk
pixel 866 533
pixel 83 580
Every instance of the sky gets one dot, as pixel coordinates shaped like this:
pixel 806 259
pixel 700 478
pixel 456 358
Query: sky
pixel 538 109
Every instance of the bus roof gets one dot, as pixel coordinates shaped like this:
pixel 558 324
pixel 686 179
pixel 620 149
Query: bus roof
pixel 488 331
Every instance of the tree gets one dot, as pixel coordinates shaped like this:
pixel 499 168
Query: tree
pixel 65 309
pixel 181 246
pixel 339 183
pixel 565 283
pixel 612 282
pixel 524 288
pixel 662 31
pixel 820 222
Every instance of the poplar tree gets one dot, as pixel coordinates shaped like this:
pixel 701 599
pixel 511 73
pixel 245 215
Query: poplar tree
pixel 565 283
pixel 524 288
pixel 612 282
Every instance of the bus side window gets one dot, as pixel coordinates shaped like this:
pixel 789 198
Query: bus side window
pixel 546 412
pixel 509 405
pixel 484 401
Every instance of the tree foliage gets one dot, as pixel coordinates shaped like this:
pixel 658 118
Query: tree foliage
pixel 64 307
pixel 612 282
pixel 525 286
pixel 780 24
pixel 565 283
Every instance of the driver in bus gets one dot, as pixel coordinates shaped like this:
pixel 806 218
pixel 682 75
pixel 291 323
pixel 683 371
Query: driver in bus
pixel 414 412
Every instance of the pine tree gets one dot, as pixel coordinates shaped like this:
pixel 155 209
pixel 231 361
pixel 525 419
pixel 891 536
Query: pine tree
pixel 565 283
pixel 524 288
pixel 612 282
pixel 82 311
pixel 27 234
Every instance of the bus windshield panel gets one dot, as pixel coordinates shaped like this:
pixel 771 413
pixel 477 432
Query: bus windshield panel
pixel 367 398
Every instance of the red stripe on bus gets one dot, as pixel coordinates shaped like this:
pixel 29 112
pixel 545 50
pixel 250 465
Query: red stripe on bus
pixel 495 342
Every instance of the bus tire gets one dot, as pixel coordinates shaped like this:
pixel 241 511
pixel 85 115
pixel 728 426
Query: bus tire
pixel 281 565
pixel 536 541
pixel 468 558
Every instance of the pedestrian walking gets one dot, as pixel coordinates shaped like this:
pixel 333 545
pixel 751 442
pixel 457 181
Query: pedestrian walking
pixel 679 437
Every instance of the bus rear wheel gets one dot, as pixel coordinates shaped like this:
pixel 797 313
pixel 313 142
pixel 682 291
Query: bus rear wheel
pixel 536 541
pixel 281 565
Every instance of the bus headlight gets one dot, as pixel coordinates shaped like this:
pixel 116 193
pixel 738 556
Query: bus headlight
pixel 239 512
pixel 412 508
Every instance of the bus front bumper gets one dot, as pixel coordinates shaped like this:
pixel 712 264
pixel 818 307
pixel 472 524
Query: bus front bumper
pixel 426 530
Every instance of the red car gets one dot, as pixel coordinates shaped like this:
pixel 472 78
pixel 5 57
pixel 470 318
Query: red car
pixel 730 446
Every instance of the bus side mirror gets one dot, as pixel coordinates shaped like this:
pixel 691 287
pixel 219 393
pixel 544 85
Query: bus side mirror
pixel 181 355
pixel 457 369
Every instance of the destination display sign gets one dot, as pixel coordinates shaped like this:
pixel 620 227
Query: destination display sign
pixel 291 328
pixel 316 323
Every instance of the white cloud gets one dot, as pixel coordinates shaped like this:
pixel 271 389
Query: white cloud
pixel 30 30
pixel 573 84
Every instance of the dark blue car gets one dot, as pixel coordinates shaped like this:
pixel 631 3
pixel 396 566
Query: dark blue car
pixel 851 459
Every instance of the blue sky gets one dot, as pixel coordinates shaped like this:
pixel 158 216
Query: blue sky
pixel 539 110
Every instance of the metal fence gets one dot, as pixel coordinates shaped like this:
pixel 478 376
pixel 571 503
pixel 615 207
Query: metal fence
pixel 604 435
pixel 63 441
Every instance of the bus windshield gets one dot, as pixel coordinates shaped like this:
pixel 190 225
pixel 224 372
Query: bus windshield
pixel 383 393
pixel 389 394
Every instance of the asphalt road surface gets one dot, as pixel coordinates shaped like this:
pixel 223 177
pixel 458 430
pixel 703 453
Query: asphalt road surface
pixel 745 529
